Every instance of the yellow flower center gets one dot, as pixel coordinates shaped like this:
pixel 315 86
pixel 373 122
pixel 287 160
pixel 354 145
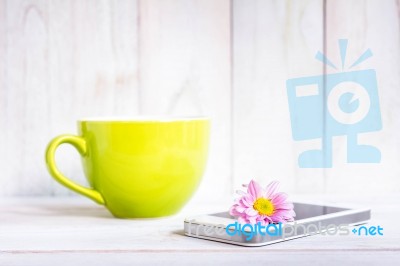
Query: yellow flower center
pixel 264 206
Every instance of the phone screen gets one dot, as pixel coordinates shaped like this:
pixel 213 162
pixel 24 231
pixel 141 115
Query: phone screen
pixel 302 210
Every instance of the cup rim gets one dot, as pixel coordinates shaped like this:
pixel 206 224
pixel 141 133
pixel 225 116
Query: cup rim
pixel 142 118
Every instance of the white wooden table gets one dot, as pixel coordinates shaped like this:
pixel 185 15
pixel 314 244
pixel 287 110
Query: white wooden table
pixel 74 231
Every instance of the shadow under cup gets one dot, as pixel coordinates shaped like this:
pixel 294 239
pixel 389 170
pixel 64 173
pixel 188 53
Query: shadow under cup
pixel 138 168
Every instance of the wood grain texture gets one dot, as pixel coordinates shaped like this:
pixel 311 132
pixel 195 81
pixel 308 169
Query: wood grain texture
pixel 368 25
pixel 185 70
pixel 69 59
pixel 61 60
pixel 272 41
pixel 27 107
pixel 94 72
pixel 204 258
pixel 75 230
pixel 64 60
pixel 3 100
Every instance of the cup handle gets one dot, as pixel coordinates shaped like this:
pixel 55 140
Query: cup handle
pixel 80 144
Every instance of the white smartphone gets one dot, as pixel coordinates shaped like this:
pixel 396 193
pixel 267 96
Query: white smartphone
pixel 310 219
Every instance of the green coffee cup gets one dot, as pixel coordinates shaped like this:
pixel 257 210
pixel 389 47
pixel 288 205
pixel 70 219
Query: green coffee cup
pixel 145 167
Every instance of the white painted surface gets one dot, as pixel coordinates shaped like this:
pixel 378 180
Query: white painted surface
pixel 185 70
pixel 268 50
pixel 368 25
pixel 42 231
pixel 61 60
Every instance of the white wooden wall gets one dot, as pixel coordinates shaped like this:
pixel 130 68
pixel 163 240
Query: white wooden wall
pixel 61 60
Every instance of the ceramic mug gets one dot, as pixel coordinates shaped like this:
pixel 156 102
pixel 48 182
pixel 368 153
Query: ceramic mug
pixel 138 167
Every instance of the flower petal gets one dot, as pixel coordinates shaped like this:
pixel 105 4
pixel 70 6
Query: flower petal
pixel 251 212
pixel 279 197
pixel 283 215
pixel 243 208
pixel 271 188
pixel 284 206
pixel 263 221
pixel 249 199
pixel 244 202
pixel 255 189
pixel 234 212
pixel 242 220
pixel 240 209
pixel 252 220
pixel 241 192
pixel 267 219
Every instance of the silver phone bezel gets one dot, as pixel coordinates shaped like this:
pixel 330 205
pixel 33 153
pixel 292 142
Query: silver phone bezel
pixel 195 226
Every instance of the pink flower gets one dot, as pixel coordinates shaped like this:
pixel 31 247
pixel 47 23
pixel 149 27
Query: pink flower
pixel 262 205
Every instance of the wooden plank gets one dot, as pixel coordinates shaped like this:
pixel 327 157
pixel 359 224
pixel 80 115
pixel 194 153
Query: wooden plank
pixel 25 87
pixel 94 71
pixel 203 258
pixel 272 41
pixel 374 25
pixel 66 229
pixel 64 60
pixel 185 70
pixel 3 94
